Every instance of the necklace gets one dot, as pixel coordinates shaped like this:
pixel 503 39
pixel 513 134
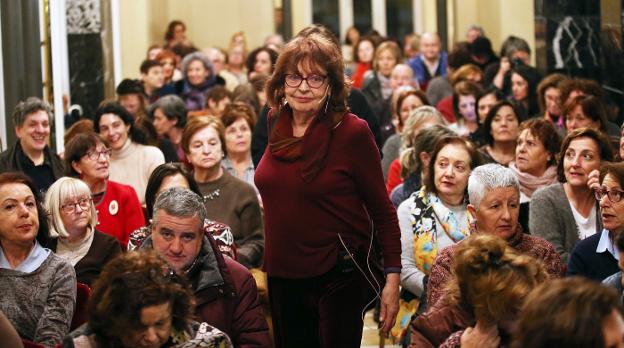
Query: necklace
pixel 212 195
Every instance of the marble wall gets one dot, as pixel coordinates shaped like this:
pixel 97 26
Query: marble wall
pixel 86 62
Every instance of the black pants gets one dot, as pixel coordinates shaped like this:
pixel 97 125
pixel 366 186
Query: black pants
pixel 323 311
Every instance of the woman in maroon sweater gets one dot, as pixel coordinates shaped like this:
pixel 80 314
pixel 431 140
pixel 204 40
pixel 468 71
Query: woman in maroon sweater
pixel 322 187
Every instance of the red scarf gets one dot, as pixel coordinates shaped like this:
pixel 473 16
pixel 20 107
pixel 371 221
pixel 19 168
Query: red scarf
pixel 311 148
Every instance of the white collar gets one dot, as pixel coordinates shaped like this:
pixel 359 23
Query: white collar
pixel 606 244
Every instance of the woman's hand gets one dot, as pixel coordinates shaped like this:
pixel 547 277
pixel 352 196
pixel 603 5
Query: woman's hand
pixel 389 302
pixel 593 181
pixel 504 67
pixel 480 337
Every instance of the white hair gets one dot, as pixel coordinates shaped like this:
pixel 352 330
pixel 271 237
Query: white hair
pixel 488 177
pixel 63 189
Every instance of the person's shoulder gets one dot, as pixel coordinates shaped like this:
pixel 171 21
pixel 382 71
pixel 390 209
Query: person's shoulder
pixel 535 244
pixel 59 264
pixel 239 273
pixel 550 191
pixel 241 186
pixel 614 281
pixel 104 238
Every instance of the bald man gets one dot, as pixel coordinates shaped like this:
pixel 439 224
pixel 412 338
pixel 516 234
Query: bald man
pixel 431 61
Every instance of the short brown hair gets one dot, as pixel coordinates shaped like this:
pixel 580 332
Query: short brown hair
pixel 237 110
pixel 129 283
pixel 462 73
pixel 546 133
pixel 475 159
pixel 78 147
pixel 616 170
pixel 566 312
pixel 390 46
pixel 591 106
pixel 550 81
pixel 314 49
pixel 586 86
pixel 464 88
pixel 198 123
pixel 604 147
pixel 492 278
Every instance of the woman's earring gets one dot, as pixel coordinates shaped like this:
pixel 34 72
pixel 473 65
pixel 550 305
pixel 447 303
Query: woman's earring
pixel 327 101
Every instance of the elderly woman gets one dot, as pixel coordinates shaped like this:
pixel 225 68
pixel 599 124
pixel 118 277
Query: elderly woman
pixel 227 199
pixel 118 209
pixel 566 212
pixel 199 76
pixel 239 120
pixel 38 287
pixel 169 115
pixel 596 257
pixel 329 156
pixel 72 227
pixel 536 159
pixel 131 161
pixel 494 195
pixel 415 161
pixel 476 311
pixel 436 216
pixel 500 131
pixel 420 119
pixel 139 301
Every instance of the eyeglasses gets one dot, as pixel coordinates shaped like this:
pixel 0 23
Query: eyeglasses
pixel 83 203
pixel 614 195
pixel 314 81
pixel 94 155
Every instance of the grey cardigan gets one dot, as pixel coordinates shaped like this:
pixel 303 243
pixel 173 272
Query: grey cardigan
pixel 550 217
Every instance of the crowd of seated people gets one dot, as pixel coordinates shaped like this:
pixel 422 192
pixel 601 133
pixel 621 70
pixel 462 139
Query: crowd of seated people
pixel 496 193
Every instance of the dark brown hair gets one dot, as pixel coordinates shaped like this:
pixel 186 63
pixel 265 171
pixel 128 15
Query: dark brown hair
pixel 550 81
pixel 251 58
pixel 78 147
pixel 487 124
pixel 129 283
pixel 591 106
pixel 546 133
pixel 475 159
pixel 604 147
pixel 171 28
pixel 566 312
pixel 586 86
pixel 356 47
pixel 313 50
pixel 464 88
pixel 404 94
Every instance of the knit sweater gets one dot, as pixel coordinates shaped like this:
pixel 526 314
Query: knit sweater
pixel 235 203
pixel 40 304
pixel 533 246
pixel 133 164
pixel 551 218
pixel 303 220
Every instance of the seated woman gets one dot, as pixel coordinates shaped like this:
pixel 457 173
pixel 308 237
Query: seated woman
pixel 566 212
pixel 418 120
pixel 588 111
pixel 139 301
pixel 73 219
pixel 436 216
pixel 549 100
pixel 239 120
pixel 227 199
pixel 38 287
pixel 118 209
pixel 475 307
pixel 199 76
pixel 131 161
pixel 500 131
pixel 169 118
pixel 464 100
pixel 524 81
pixel 596 257
pixel 536 159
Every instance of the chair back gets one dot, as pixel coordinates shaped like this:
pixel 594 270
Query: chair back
pixel 83 292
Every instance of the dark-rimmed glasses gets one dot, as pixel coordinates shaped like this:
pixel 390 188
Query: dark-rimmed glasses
pixel 84 204
pixel 295 80
pixel 614 195
pixel 94 155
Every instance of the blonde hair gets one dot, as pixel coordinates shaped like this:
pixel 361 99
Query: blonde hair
pixel 61 190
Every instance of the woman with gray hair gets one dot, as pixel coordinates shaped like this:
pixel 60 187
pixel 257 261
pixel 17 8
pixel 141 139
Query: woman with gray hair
pixel 199 76
pixel 169 114
pixel 73 235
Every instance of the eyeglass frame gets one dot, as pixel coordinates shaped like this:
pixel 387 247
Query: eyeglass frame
pixel 304 79
pixel 599 193
pixel 95 155
pixel 82 201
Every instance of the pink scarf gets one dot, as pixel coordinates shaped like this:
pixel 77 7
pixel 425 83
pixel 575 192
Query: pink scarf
pixel 530 183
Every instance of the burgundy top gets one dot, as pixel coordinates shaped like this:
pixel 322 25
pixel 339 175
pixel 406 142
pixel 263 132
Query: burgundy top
pixel 303 220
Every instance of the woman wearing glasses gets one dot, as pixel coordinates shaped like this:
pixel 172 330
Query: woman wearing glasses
pixel 596 257
pixel 566 212
pixel 73 233
pixel 119 211
pixel 322 188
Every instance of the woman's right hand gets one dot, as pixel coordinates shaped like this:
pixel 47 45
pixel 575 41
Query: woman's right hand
pixel 480 337
pixel 593 181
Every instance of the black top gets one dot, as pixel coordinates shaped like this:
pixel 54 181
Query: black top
pixel 43 175
pixel 585 261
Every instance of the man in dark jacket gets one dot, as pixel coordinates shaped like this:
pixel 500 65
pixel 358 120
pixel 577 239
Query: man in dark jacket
pixel 225 291
pixel 31 153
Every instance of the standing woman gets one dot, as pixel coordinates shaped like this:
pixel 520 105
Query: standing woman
pixel 227 199
pixel 131 161
pixel 117 206
pixel 501 133
pixel 321 185
pixel 72 227
pixel 38 288
pixel 566 212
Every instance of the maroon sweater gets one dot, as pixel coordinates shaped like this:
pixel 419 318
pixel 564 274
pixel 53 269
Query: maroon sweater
pixel 303 220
